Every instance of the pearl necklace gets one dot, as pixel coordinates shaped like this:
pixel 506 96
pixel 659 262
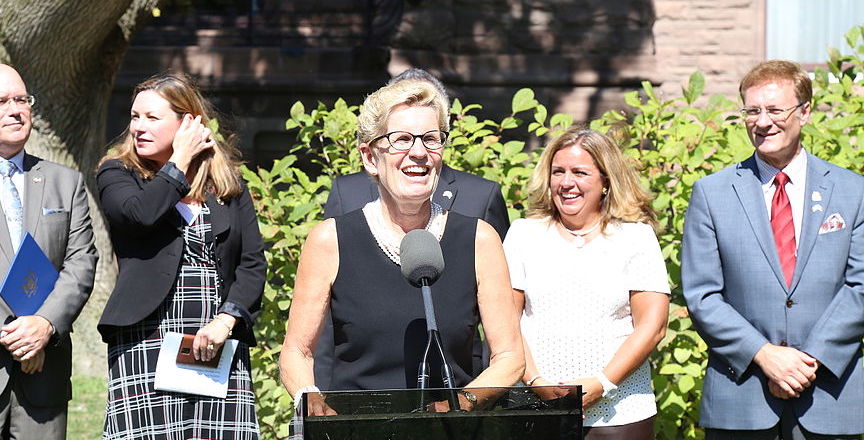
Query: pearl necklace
pixel 387 239
pixel 579 236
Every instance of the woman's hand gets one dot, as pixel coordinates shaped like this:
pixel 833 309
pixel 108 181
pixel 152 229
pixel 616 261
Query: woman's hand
pixel 592 390
pixel 316 406
pixel 549 391
pixel 212 336
pixel 191 139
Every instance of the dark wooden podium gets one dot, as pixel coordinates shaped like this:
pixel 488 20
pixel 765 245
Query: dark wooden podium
pixel 501 413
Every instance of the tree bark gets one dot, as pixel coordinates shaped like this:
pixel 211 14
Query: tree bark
pixel 68 52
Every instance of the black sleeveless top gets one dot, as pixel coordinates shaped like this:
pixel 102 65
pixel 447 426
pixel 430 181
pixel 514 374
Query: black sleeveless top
pixel 378 320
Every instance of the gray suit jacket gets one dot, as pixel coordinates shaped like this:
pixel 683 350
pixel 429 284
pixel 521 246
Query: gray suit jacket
pixel 57 216
pixel 739 300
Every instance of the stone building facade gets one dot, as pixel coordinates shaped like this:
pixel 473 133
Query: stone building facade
pixel 579 56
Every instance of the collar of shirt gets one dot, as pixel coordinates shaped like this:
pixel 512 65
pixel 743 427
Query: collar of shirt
pixel 18 175
pixel 797 172
pixel 18 160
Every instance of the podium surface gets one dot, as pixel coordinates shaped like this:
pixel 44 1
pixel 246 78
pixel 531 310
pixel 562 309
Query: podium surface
pixel 500 414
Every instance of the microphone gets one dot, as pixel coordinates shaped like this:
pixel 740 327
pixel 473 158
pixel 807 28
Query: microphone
pixel 421 258
pixel 422 263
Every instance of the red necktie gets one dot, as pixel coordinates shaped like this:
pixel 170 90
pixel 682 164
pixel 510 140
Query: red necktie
pixel 782 227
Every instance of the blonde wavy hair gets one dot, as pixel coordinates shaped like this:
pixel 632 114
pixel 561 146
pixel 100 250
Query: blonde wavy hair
pixel 216 170
pixel 626 199
pixel 377 107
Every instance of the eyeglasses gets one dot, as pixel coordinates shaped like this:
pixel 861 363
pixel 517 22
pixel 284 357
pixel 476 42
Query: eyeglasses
pixel 403 140
pixel 27 100
pixel 751 114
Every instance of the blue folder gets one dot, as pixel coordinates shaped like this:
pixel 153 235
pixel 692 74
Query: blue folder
pixel 30 278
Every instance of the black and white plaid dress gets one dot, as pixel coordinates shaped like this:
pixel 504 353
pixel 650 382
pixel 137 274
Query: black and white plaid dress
pixel 134 409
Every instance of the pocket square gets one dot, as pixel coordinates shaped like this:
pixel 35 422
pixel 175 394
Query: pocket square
pixel 834 223
pixel 49 211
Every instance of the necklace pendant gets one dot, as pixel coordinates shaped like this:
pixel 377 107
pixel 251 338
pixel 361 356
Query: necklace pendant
pixel 579 241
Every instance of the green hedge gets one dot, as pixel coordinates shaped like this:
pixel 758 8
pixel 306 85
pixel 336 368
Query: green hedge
pixel 672 142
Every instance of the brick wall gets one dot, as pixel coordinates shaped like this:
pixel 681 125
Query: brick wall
pixel 579 56
pixel 722 39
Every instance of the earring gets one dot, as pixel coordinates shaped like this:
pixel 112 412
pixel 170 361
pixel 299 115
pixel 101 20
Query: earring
pixel 605 190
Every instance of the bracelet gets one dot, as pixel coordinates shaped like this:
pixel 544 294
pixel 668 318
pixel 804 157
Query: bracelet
pixel 609 388
pixel 533 379
pixel 299 395
pixel 230 330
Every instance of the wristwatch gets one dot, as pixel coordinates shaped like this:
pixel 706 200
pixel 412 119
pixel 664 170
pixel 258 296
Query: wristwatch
pixel 609 388
pixel 470 397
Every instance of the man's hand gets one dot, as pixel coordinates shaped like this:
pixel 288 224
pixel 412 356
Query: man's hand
pixel 26 336
pixel 34 364
pixel 778 392
pixel 791 370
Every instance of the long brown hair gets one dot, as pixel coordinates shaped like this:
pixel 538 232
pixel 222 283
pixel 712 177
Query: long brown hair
pixel 626 199
pixel 217 170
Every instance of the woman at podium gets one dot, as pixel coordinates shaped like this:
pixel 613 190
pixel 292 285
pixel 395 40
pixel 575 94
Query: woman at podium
pixel 591 283
pixel 351 265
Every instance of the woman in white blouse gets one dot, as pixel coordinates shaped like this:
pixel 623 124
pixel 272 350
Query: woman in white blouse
pixel 590 280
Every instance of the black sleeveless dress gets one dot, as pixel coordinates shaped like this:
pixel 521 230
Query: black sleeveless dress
pixel 378 320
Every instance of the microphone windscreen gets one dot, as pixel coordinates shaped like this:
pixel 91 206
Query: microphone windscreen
pixel 421 257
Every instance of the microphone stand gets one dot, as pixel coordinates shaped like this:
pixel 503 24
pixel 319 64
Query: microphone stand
pixel 434 337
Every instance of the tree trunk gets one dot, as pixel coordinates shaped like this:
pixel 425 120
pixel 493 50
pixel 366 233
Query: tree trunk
pixel 68 52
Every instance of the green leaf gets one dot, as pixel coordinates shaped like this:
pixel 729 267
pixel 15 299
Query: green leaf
pixel 686 383
pixel 540 114
pixel 561 120
pixel 694 87
pixel 474 156
pixel 509 122
pixel 649 90
pixel 456 107
pixel 523 100
pixel 632 99
pixel 852 36
pixel 297 109
pixel 670 369
pixel 681 355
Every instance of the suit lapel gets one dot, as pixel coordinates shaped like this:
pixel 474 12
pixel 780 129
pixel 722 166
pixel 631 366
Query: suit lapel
pixel 218 215
pixel 34 187
pixel 817 183
pixel 446 191
pixel 5 241
pixel 748 188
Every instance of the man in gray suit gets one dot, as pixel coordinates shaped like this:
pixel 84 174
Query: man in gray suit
pixel 48 201
pixel 773 275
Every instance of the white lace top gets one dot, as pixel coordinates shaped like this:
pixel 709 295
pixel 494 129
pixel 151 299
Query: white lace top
pixel 577 306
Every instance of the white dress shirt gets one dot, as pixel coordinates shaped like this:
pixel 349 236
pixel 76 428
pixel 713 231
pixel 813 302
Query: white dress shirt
pixel 797 172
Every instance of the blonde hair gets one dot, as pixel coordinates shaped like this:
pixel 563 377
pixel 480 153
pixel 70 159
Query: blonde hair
pixel 414 92
pixel 217 170
pixel 626 199
pixel 779 70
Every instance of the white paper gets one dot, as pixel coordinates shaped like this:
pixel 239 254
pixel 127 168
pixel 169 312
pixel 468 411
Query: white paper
pixel 192 379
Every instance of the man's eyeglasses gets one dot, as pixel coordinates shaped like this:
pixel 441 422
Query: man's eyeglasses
pixel 27 100
pixel 752 114
pixel 403 140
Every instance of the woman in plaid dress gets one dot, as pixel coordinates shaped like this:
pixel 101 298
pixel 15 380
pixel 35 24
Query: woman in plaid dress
pixel 191 261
